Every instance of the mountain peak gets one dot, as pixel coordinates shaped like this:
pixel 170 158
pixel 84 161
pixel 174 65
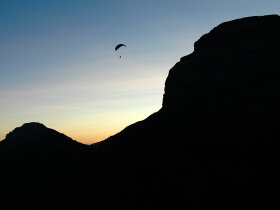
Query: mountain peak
pixel 34 136
pixel 26 132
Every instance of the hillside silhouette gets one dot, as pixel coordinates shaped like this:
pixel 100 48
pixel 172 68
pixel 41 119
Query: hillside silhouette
pixel 212 145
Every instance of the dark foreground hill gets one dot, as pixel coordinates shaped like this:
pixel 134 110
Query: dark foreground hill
pixel 212 145
pixel 38 165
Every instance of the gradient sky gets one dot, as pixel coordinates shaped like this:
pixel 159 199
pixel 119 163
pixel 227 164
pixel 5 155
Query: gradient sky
pixel 58 65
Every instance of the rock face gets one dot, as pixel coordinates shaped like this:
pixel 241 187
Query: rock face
pixel 216 136
pixel 242 54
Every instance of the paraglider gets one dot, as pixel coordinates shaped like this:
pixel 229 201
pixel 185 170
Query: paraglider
pixel 118 46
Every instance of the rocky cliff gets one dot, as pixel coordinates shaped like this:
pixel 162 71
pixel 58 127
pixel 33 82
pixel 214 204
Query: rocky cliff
pixel 242 54
pixel 216 135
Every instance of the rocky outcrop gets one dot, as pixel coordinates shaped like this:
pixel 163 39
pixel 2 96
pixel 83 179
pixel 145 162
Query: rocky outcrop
pixel 235 57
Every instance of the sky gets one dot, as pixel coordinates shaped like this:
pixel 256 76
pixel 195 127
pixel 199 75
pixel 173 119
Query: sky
pixel 58 65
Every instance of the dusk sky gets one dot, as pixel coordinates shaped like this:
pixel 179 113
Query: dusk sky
pixel 58 65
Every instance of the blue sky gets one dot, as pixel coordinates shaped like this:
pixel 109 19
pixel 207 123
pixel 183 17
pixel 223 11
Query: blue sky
pixel 58 65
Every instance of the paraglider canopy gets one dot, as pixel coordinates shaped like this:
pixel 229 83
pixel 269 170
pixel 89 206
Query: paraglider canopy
pixel 119 45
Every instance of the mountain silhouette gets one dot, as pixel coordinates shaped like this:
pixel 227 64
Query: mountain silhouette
pixel 37 166
pixel 216 136
pixel 19 135
pixel 212 145
pixel 32 137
